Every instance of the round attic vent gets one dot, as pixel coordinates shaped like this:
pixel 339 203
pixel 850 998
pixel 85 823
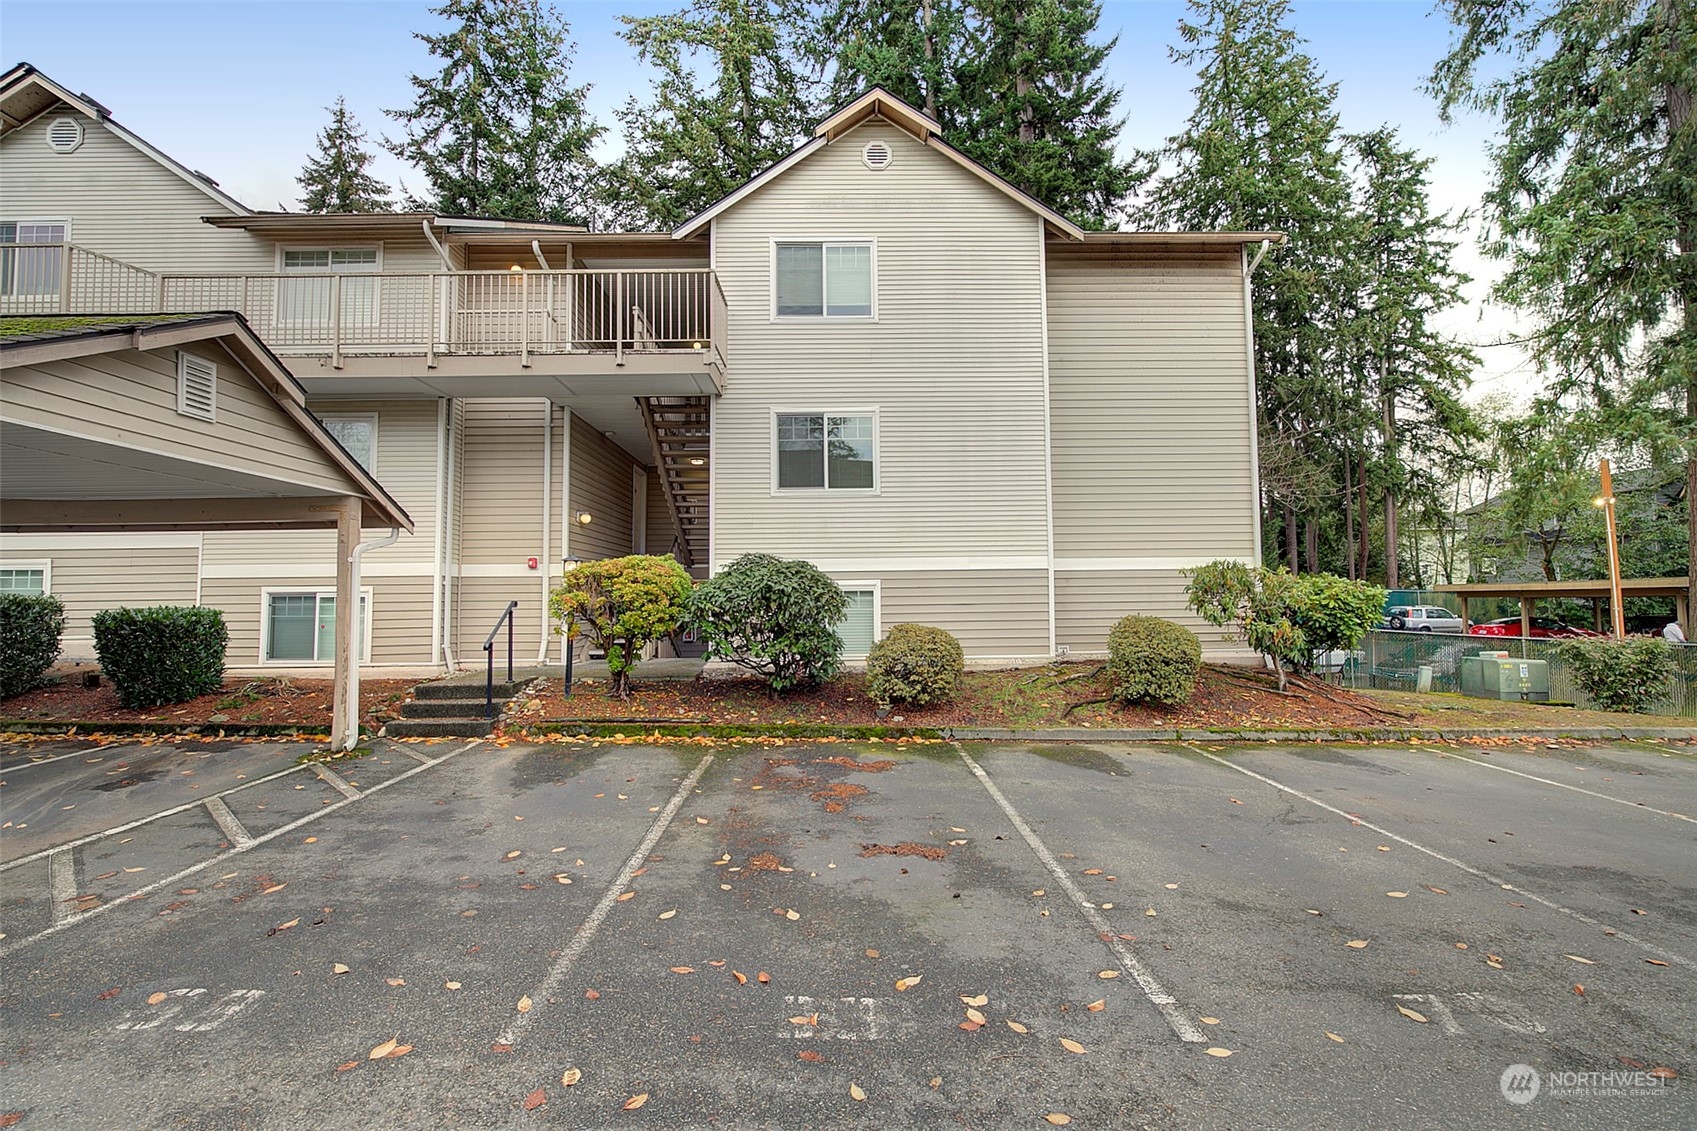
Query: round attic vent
pixel 877 155
pixel 64 135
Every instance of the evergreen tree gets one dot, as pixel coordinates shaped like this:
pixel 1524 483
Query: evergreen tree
pixel 702 136
pixel 498 131
pixel 1404 277
pixel 336 180
pixel 919 50
pixel 1593 207
pixel 1261 152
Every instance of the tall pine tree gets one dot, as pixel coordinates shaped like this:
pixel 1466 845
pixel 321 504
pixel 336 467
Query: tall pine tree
pixel 499 131
pixel 1593 208
pixel 335 180
pixel 1261 152
pixel 702 135
pixel 921 51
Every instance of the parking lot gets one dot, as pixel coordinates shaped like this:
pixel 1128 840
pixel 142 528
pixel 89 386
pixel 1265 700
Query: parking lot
pixel 213 935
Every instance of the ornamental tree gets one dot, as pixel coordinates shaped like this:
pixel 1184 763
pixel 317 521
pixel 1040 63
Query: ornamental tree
pixel 776 618
pixel 624 604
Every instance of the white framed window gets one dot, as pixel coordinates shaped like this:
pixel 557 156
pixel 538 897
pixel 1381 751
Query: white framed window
pixel 305 294
pixel 298 626
pixel 862 623
pixel 27 270
pixel 825 451
pixel 32 578
pixel 824 279
pixel 357 432
pixel 197 386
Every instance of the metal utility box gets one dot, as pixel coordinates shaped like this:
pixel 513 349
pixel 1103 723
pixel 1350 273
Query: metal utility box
pixel 1497 675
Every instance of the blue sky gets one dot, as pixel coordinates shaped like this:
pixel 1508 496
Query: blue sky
pixel 237 88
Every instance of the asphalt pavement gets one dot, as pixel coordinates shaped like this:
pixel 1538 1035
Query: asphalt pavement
pixel 824 934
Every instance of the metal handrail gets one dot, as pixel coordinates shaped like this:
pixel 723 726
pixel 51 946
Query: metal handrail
pixel 489 657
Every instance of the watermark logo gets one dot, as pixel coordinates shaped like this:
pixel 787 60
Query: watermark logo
pixel 1520 1083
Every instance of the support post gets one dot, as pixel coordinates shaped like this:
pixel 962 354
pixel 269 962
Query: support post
pixel 344 736
pixel 1525 618
pixel 1617 606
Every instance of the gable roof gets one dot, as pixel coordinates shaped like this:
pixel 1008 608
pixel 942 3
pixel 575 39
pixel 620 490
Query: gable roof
pixel 880 104
pixel 33 339
pixel 26 94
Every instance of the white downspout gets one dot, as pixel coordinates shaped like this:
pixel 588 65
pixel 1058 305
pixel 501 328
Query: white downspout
pixel 536 250
pixel 438 551
pixel 543 565
pixel 352 698
pixel 1254 399
pixel 441 252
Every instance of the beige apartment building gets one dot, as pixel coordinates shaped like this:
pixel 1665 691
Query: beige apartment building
pixel 876 356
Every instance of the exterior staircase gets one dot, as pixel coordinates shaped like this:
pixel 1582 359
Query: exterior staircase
pixel 451 708
pixel 679 429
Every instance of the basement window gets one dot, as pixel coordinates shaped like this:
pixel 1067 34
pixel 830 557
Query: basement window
pixel 300 627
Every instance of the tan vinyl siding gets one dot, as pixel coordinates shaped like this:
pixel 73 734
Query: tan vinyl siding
pixel 994 613
pixel 400 610
pixel 661 528
pixel 1088 603
pixel 130 398
pixel 501 482
pixel 601 487
pixel 121 203
pixel 1150 405
pixel 89 580
pixel 481 600
pixel 953 363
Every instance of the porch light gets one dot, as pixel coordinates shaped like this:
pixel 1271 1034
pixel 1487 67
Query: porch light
pixel 696 461
pixel 584 518
pixel 695 345
pixel 515 267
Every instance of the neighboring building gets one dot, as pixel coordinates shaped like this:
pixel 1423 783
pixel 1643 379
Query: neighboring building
pixel 876 356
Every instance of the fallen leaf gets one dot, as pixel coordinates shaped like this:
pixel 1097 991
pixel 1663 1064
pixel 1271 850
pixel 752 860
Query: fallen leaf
pixel 979 999
pixel 1311 911
pixel 905 984
pixel 1150 912
pixel 1436 891
pixel 135 869
pixel 339 1068
pixel 974 1015
pixel 592 995
pixel 1172 887
pixel 1218 1052
pixel 562 878
pixel 156 998
pixel 1356 944
pixel 310 840
pixel 1092 871
pixel 627 895
pixel 1071 1045
pixel 668 914
pixel 450 985
pixel 1461 946
pixel 396 981
pixel 742 979
pixel 384 1049
pixel 1209 1020
pixel 969 1026
pixel 792 915
pixel 803 1020
pixel 1107 907
pixel 810 1056
pixel 338 968
pixel 1397 894
pixel 1384 848
pixel 1059 1119
pixel 683 969
pixel 763 978
pixel 1106 975
pixel 1579 989
pixel 1333 1036
pixel 286 926
pixel 1234 801
pixel 524 1004
pixel 871 952
pixel 1655 962
pixel 1639 911
pixel 1576 958
pixel 513 855
pixel 1098 1005
pixel 856 1094
pixel 634 1102
pixel 1411 1014
pixel 1017 1027
pixel 1661 1073
pixel 499 1047
pixel 535 1100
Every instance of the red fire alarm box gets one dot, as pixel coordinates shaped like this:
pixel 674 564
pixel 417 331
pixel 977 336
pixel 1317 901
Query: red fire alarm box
pixel 531 563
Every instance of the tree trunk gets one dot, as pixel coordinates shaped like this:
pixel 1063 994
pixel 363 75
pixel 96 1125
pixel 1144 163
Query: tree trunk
pixel 1392 581
pixel 1679 102
pixel 930 37
pixel 1311 544
pixel 1349 517
pixel 1361 525
pixel 1290 538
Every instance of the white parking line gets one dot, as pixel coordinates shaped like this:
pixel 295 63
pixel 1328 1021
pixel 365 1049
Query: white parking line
pixel 1561 785
pixel 151 817
pixel 10 947
pixel 59 757
pixel 573 950
pixel 62 884
pixel 1158 997
pixel 233 828
pixel 1454 863
pixel 334 780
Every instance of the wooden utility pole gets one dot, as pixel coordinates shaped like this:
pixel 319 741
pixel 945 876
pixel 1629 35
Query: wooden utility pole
pixel 1607 502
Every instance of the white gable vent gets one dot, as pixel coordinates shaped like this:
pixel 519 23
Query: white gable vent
pixel 64 135
pixel 197 386
pixel 877 155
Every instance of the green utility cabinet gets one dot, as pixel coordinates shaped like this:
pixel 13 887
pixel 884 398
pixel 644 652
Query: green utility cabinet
pixel 1497 675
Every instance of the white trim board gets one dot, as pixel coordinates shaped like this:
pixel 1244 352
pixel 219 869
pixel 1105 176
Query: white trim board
pixel 1121 565
pixel 967 564
pixel 260 571
pixel 50 543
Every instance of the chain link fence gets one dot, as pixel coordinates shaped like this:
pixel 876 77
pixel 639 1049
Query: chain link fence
pixel 1391 661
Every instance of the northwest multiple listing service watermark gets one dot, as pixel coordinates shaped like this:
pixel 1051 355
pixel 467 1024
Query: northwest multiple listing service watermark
pixel 1521 1083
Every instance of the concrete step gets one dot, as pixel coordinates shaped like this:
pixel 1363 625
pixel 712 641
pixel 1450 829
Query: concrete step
pixel 460 687
pixel 449 708
pixel 439 728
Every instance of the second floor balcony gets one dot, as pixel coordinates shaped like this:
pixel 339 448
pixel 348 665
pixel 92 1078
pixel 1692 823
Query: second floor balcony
pixel 651 332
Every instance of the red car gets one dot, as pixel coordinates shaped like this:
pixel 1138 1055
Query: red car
pixel 1540 626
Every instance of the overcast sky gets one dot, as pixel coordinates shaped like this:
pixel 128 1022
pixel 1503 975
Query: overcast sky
pixel 238 88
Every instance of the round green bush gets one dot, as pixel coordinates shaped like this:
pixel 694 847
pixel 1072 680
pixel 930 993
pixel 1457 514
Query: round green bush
pixel 914 663
pixel 166 654
pixel 1620 675
pixel 1151 660
pixel 776 618
pixel 29 639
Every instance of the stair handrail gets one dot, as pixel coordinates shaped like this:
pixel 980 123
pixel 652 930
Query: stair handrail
pixel 489 658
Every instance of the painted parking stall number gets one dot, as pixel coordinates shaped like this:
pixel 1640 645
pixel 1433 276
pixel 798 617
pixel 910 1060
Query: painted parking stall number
pixel 845 1019
pixel 1497 1010
pixel 198 1020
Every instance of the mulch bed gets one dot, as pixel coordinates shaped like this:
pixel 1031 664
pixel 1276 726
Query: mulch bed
pixel 271 701
pixel 1048 696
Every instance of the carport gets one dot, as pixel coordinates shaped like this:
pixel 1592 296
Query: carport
pixel 1529 593
pixel 146 423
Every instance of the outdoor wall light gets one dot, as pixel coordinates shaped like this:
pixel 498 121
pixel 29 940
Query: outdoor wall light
pixel 696 461
pixel 515 267
pixel 584 518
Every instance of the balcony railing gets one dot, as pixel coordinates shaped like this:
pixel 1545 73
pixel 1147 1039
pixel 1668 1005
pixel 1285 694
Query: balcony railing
pixel 673 310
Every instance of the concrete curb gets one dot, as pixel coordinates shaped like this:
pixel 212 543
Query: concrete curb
pixel 303 731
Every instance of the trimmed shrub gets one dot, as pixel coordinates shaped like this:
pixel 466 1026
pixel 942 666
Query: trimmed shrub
pixel 624 604
pixel 776 618
pixel 1292 619
pixel 1621 675
pixel 1151 660
pixel 166 654
pixel 914 663
pixel 30 627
